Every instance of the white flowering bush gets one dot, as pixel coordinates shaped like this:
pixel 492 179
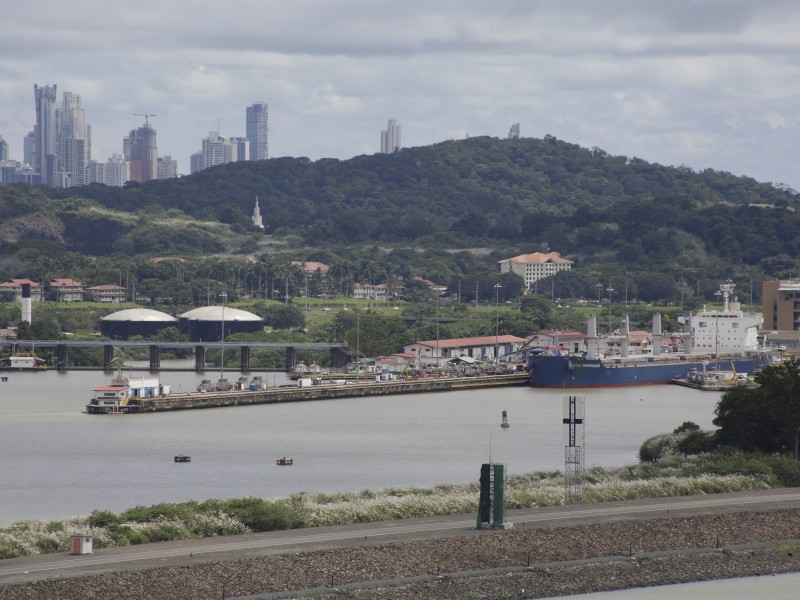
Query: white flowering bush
pixel 672 474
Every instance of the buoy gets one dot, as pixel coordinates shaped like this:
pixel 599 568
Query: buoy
pixel 505 424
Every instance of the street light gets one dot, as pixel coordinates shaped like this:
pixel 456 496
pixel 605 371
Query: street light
pixel 599 287
pixel 610 289
pixel 222 337
pixel 497 287
pixel 437 329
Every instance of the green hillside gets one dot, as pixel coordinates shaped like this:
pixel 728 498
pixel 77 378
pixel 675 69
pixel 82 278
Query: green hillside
pixel 515 195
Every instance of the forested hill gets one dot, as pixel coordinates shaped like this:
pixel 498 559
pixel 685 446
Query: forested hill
pixel 521 194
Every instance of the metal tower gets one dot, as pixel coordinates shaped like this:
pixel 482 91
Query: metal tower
pixel 574 459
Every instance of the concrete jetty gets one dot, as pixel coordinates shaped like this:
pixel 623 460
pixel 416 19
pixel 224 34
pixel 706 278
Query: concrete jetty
pixel 323 391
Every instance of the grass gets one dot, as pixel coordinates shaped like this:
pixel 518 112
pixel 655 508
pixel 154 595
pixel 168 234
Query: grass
pixel 670 475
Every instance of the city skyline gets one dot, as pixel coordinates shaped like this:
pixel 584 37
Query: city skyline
pixel 700 83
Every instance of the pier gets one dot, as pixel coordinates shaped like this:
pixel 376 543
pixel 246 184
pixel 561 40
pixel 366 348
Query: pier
pixel 325 391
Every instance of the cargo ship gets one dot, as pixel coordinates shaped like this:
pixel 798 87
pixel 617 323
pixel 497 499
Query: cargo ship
pixel 709 338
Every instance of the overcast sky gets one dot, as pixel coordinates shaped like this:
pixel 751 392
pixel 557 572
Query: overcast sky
pixel 703 83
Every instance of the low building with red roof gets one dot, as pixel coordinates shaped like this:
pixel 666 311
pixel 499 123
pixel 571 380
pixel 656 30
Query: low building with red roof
pixel 14 286
pixel 67 290
pixel 488 347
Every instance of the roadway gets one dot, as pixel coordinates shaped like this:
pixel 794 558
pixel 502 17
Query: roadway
pixel 192 552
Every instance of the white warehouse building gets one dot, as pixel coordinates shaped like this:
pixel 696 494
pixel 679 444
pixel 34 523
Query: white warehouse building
pixel 536 266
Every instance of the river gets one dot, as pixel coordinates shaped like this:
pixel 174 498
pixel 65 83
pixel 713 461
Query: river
pixel 56 461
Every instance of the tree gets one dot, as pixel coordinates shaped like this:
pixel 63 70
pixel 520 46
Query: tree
pixel 766 418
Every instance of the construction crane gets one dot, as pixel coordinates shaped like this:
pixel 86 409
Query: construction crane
pixel 146 117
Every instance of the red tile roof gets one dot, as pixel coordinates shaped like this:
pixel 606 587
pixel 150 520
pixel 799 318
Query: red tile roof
pixel 537 258
pixel 486 340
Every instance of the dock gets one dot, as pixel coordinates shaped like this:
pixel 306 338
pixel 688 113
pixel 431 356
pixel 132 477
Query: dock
pixel 713 386
pixel 324 391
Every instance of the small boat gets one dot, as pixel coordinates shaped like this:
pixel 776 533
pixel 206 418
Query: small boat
pixel 182 458
pixel 285 461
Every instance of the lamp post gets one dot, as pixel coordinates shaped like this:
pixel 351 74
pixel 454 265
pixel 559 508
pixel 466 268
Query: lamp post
pixel 610 289
pixel 358 343
pixel 222 337
pixel 437 329
pixel 497 287
pixel 718 293
pixel 599 287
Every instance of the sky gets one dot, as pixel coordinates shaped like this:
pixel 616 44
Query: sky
pixel 699 83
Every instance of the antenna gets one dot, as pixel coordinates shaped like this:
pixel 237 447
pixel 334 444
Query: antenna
pixel 146 117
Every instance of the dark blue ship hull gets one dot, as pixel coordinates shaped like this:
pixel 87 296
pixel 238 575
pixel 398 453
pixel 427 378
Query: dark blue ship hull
pixel 580 372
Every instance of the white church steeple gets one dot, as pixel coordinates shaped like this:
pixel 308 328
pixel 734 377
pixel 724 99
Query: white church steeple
pixel 257 216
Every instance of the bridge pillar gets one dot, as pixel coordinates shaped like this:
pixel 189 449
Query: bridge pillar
pixel 245 358
pixel 61 357
pixel 200 358
pixel 108 356
pixel 155 358
pixel 290 357
pixel 339 357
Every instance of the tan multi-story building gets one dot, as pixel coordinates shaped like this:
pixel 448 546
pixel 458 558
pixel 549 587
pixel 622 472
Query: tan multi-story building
pixel 67 290
pixel 14 286
pixel 107 293
pixel 780 303
pixel 536 266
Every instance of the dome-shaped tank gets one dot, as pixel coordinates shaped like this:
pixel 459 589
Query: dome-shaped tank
pixel 205 323
pixel 135 321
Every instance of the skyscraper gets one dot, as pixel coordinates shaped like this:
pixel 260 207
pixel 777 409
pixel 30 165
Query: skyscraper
pixel 513 133
pixel 3 150
pixel 390 139
pixel 45 131
pixel 29 149
pixel 257 130
pixel 141 150
pixel 74 141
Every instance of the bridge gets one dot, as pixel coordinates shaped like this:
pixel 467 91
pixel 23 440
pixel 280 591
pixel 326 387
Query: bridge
pixel 340 354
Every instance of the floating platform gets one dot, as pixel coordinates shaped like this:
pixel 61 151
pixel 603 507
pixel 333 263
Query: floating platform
pixel 292 393
pixel 182 458
pixel 285 461
pixel 716 386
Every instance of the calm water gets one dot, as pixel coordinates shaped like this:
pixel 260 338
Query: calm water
pixel 774 587
pixel 56 461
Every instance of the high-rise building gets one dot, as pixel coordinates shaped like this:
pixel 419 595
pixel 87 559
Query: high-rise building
pixel 29 149
pixel 218 150
pixel 390 139
pixel 113 173
pixel 141 152
pixel 513 133
pixel 257 130
pixel 3 150
pixel 166 167
pixel 118 171
pixel 241 148
pixel 74 137
pixel 45 132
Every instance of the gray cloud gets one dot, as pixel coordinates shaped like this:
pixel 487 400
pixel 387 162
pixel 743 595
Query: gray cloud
pixel 706 83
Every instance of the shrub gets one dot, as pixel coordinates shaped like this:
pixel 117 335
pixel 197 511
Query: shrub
pixel 696 442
